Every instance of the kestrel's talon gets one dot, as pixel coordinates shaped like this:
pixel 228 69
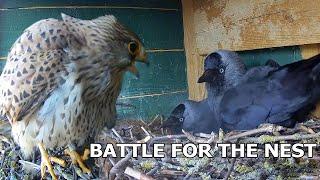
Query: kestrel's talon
pixel 85 155
pixel 76 158
pixel 46 162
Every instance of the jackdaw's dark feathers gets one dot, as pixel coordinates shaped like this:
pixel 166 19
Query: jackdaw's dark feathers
pixel 284 97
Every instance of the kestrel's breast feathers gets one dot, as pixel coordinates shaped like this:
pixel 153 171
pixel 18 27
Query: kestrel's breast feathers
pixel 35 66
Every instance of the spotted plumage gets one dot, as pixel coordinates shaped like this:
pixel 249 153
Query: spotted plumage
pixel 63 77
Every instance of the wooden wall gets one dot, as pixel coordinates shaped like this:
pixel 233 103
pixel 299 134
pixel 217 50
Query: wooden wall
pixel 159 24
pixel 251 27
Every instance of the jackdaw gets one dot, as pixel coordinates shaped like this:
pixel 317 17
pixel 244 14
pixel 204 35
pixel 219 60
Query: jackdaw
pixel 202 116
pixel 283 96
pixel 192 116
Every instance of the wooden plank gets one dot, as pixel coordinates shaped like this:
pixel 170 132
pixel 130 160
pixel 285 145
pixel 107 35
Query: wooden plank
pixel 309 50
pixel 166 73
pixel 147 107
pixel 148 24
pixel 252 24
pixel 283 55
pixel 163 4
pixel 159 89
pixel 194 60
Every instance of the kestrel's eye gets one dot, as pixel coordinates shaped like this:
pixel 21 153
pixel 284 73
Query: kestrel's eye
pixel 133 48
pixel 221 70
pixel 181 119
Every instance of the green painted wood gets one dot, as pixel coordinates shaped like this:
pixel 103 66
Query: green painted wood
pixel 166 72
pixel 2 63
pixel 158 29
pixel 171 4
pixel 282 55
pixel 147 107
pixel 159 89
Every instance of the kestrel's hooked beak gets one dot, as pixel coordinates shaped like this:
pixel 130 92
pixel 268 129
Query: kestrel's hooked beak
pixel 141 56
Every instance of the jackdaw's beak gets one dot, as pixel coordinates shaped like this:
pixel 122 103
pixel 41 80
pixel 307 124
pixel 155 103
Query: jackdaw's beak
pixel 209 76
pixel 170 123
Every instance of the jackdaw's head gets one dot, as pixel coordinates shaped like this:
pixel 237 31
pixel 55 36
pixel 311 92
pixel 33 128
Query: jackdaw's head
pixel 175 121
pixel 192 116
pixel 223 68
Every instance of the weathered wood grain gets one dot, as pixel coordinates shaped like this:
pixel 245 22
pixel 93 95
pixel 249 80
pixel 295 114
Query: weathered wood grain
pixel 246 25
pixel 309 50
pixel 194 60
pixel 252 24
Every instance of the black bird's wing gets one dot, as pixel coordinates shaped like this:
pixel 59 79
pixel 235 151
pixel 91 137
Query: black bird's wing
pixel 257 73
pixel 282 97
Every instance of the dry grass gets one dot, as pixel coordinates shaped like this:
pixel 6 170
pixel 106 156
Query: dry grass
pixel 13 166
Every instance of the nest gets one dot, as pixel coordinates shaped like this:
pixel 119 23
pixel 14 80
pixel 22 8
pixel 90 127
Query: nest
pixel 135 131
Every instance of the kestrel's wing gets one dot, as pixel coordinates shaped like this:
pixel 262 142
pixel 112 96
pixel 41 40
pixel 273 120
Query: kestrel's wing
pixel 35 65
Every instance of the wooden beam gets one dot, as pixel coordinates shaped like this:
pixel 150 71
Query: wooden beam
pixel 194 60
pixel 309 50
pixel 253 24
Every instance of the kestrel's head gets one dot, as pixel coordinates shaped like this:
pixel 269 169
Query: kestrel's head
pixel 104 43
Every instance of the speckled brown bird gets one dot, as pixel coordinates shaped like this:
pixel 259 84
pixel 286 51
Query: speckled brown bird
pixel 62 79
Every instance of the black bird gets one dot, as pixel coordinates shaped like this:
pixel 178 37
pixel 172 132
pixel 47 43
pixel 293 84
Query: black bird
pixel 202 116
pixel 223 69
pixel 259 72
pixel 283 96
pixel 192 116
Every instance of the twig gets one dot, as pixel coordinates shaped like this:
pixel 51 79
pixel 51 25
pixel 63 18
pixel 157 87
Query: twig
pixel 199 140
pixel 167 137
pixel 230 169
pixel 120 165
pixel 170 166
pixel 111 161
pixel 80 173
pixel 270 128
pixel 306 129
pixel 266 138
pixel 120 138
pixel 118 135
pixel 146 132
pixel 153 170
pixel 172 172
pixel 130 132
pixel 309 177
pixel 63 174
pixel 137 174
pixel 204 135
pixel 153 120
pixel 29 165
pixel 144 140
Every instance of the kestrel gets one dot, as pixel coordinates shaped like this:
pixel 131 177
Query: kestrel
pixel 61 81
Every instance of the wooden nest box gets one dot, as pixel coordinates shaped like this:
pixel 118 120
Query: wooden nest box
pixel 291 28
